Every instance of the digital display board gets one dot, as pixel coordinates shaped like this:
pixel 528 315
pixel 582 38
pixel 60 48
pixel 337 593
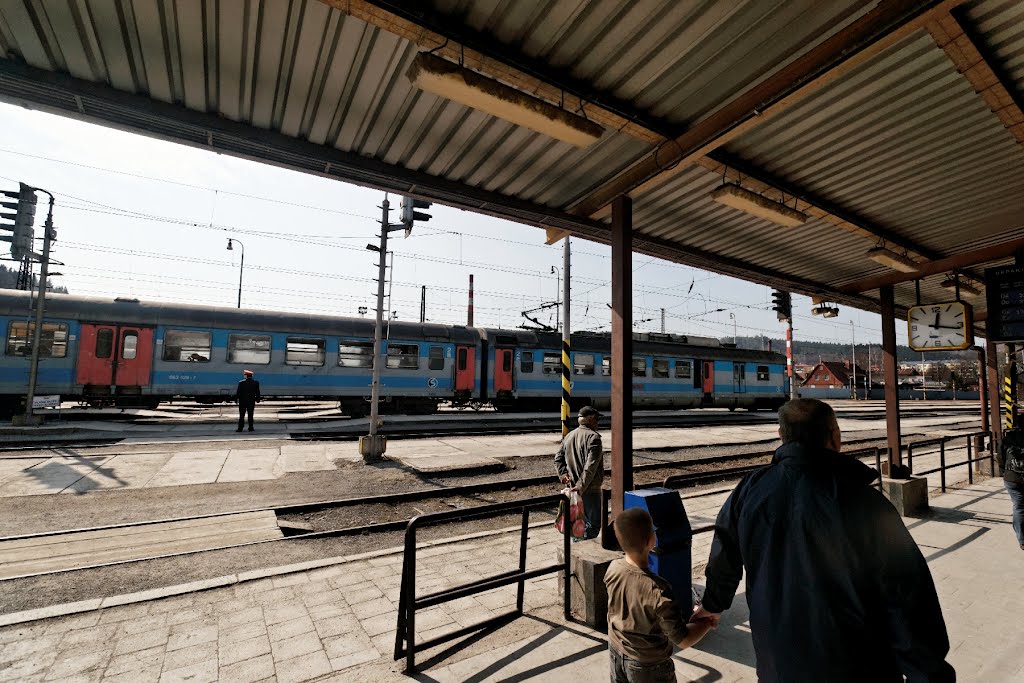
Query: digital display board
pixel 1004 293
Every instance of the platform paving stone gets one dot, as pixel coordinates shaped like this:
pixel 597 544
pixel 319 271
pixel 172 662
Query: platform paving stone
pixel 336 622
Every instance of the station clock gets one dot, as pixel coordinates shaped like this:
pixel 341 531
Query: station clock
pixel 945 326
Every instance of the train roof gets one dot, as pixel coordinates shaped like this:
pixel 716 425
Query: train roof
pixel 133 311
pixel 644 342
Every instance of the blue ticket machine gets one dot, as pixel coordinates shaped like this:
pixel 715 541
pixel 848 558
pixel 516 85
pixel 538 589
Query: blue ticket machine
pixel 671 558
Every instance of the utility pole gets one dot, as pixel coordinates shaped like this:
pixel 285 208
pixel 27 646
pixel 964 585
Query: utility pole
pixel 663 321
pixel 853 348
pixel 789 358
pixel 871 383
pixel 469 312
pixel 37 332
pixel 566 369
pixel 423 304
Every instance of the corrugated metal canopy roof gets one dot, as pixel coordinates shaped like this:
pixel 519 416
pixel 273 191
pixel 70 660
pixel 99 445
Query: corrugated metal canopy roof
pixel 858 109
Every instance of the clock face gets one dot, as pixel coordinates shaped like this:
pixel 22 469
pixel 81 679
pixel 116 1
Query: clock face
pixel 940 327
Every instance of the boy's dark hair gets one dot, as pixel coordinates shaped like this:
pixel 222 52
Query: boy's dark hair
pixel 806 421
pixel 633 527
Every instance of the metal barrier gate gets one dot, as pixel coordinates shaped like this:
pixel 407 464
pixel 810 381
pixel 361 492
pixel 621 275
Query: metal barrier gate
pixel 972 456
pixel 405 637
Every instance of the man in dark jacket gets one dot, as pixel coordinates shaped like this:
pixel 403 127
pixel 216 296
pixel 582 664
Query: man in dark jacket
pixel 837 588
pixel 1012 451
pixel 247 394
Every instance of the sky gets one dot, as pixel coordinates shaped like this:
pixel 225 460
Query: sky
pixel 141 217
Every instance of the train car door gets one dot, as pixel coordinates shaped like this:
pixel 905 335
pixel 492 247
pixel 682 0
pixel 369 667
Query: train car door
pixel 465 367
pixel 134 356
pixel 503 370
pixel 739 377
pixel 709 377
pixel 114 355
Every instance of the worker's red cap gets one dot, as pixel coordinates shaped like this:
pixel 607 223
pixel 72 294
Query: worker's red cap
pixel 246 372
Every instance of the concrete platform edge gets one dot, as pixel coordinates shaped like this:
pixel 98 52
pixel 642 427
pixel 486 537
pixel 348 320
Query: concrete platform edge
pixel 68 608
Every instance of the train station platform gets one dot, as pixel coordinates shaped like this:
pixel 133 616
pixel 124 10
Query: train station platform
pixel 189 459
pixel 334 620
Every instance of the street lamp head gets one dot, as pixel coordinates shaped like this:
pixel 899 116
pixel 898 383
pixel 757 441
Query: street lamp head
pixel 372 247
pixel 553 270
pixel 230 245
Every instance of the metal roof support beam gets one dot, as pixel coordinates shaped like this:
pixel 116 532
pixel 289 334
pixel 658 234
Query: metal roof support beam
pixel 97 103
pixel 945 265
pixel 622 351
pixel 971 58
pixel 888 23
pixel 890 376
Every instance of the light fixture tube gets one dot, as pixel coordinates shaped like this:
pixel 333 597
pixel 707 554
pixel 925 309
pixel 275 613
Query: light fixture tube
pixel 892 259
pixel 448 80
pixel 744 200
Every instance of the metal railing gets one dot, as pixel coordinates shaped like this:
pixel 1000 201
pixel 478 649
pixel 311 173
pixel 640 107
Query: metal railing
pixel 405 637
pixel 972 455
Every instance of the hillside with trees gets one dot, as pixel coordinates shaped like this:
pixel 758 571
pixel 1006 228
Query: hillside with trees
pixel 9 280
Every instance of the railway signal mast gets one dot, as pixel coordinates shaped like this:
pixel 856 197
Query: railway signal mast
pixel 22 239
pixel 372 446
pixel 783 307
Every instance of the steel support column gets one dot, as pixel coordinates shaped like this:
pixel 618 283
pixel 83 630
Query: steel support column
pixel 622 351
pixel 894 467
pixel 983 387
pixel 992 361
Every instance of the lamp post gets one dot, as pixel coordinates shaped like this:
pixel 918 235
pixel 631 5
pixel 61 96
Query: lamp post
pixel 733 316
pixel 241 266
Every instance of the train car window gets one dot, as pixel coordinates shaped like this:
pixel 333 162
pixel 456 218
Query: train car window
pixel 104 343
pixel 552 363
pixel 583 364
pixel 129 345
pixel 355 354
pixel 526 362
pixel 187 346
pixel 762 373
pixel 53 340
pixel 435 358
pixel 659 368
pixel 639 366
pixel 684 369
pixel 304 351
pixel 403 356
pixel 251 349
pixel 606 366
pixel 506 361
pixel 463 358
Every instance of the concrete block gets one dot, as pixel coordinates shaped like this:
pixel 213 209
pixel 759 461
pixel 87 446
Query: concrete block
pixel 589 563
pixel 908 496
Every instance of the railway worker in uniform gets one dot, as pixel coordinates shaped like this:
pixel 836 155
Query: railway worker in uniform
pixel 580 465
pixel 837 588
pixel 247 393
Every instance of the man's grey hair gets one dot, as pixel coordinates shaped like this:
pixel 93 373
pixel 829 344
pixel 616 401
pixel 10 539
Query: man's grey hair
pixel 806 421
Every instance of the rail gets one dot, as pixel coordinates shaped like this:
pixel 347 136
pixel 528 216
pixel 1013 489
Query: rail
pixel 405 636
pixel 975 444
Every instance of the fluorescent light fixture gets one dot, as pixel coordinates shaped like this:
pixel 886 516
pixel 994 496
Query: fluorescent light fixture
pixel 825 311
pixel 737 197
pixel 965 288
pixel 443 78
pixel 892 259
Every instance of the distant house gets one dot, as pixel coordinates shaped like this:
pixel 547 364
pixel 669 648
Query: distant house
pixel 834 375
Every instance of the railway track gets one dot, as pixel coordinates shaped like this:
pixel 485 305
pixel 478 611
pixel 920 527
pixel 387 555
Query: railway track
pixel 66 550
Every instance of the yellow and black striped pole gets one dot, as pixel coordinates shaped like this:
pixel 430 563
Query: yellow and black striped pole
pixel 1010 396
pixel 566 370
pixel 566 377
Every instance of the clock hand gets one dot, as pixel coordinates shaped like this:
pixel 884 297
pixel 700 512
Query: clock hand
pixel 937 315
pixel 946 327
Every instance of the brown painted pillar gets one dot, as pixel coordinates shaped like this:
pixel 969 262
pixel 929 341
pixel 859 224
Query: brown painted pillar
pixel 622 351
pixel 995 390
pixel 983 386
pixel 894 467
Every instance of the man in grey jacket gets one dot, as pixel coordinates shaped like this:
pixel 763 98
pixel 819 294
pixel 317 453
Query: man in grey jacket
pixel 580 464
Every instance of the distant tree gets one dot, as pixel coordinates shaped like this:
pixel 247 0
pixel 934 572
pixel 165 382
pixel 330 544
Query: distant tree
pixel 9 280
